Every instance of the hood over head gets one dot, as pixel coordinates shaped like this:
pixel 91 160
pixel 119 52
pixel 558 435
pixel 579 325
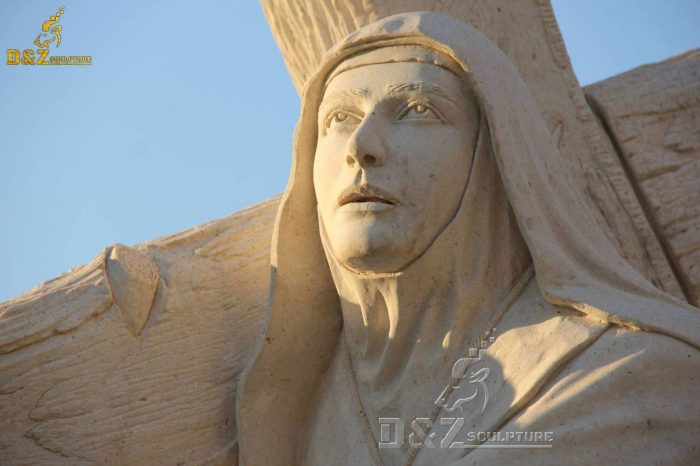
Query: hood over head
pixel 575 264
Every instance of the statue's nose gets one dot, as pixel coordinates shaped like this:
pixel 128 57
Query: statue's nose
pixel 365 161
pixel 365 147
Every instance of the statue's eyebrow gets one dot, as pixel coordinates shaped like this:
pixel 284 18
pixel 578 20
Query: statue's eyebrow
pixel 421 87
pixel 344 94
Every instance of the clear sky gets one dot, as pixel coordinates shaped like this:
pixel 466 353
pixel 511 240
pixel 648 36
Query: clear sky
pixel 187 114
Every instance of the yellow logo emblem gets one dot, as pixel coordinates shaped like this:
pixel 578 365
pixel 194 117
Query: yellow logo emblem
pixel 50 35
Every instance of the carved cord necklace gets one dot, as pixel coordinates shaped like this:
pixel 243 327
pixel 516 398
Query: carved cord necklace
pixel 504 304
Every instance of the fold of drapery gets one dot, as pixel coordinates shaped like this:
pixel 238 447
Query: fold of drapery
pixel 576 266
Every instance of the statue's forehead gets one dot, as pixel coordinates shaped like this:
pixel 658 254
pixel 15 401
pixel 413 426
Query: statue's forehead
pixel 377 82
pixel 416 71
pixel 396 54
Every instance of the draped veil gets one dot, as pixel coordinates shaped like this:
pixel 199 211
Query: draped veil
pixel 575 264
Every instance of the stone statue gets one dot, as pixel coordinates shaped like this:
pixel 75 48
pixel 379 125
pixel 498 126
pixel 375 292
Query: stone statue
pixel 467 268
pixel 429 213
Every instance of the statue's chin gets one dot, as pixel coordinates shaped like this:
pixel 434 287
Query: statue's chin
pixel 371 253
pixel 371 244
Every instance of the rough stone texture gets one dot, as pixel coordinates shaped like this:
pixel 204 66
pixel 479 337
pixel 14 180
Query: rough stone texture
pixel 87 377
pixel 653 116
pixel 415 281
pixel 528 33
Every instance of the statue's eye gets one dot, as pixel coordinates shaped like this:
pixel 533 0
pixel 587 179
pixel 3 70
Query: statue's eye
pixel 419 111
pixel 340 118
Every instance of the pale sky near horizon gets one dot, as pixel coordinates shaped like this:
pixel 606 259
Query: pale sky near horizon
pixel 187 113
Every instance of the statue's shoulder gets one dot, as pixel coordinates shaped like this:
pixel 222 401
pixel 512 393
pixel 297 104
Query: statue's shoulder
pixel 613 355
pixel 630 366
pixel 617 394
pixel 600 342
pixel 642 347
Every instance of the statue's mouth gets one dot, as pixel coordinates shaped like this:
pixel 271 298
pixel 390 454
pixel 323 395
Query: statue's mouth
pixel 365 194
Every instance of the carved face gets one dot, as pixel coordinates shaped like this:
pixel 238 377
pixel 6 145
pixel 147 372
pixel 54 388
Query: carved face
pixel 394 150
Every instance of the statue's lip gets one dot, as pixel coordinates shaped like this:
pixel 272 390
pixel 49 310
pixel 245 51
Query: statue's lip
pixel 365 193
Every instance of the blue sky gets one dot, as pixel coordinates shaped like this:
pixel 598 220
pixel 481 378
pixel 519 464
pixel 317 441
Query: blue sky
pixel 170 128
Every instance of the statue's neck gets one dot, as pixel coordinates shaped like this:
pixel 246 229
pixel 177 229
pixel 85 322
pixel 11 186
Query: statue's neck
pixel 404 332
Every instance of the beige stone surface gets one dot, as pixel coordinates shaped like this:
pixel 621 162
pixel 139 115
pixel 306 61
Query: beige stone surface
pixel 437 225
pixel 653 115
pixel 134 358
pixel 528 33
